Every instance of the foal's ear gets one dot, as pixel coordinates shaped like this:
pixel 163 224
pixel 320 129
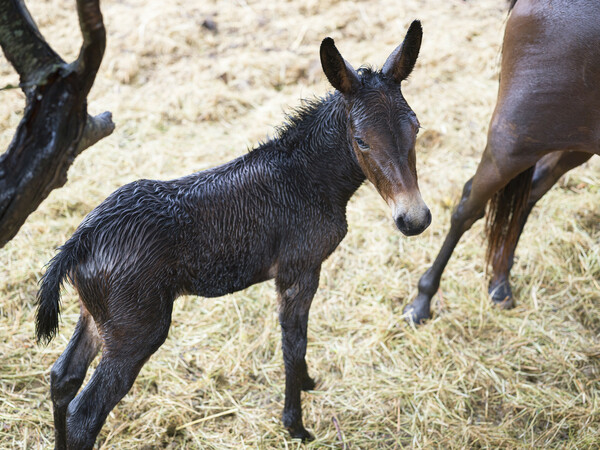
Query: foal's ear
pixel 400 63
pixel 339 72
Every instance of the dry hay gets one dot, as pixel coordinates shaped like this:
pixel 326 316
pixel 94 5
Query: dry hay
pixel 185 98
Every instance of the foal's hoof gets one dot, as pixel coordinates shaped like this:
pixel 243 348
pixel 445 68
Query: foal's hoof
pixel 308 384
pixel 416 313
pixel 302 434
pixel 501 295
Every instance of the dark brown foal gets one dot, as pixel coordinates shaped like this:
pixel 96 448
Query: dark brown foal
pixel 546 122
pixel 276 212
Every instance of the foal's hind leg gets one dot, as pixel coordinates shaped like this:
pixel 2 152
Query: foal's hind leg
pixel 68 372
pixel 127 346
pixel 547 172
pixel 296 291
pixel 492 174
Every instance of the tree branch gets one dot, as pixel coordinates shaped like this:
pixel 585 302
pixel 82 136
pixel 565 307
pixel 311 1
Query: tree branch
pixel 23 45
pixel 96 128
pixel 94 42
pixel 55 126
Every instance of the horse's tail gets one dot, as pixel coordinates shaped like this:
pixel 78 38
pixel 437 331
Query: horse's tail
pixel 511 4
pixel 48 297
pixel 504 216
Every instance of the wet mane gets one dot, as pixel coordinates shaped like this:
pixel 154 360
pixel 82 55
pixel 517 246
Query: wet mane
pixel 319 116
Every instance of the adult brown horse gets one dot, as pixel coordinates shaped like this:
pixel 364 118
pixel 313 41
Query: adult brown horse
pixel 546 122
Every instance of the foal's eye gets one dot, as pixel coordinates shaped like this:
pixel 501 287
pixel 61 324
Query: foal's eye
pixel 362 144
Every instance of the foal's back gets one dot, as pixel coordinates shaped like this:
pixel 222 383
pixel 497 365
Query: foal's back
pixel 215 232
pixel 249 214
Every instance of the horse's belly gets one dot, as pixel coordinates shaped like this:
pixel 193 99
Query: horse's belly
pixel 222 279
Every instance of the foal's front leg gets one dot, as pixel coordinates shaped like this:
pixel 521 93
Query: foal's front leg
pixel 296 291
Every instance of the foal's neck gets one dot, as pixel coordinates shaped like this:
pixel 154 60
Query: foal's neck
pixel 317 137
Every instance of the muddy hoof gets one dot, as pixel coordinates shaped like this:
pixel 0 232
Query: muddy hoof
pixel 501 295
pixel 302 434
pixel 416 312
pixel 308 384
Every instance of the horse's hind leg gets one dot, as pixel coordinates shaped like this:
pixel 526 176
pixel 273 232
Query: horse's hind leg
pixel 495 170
pixel 68 372
pixel 127 346
pixel 547 172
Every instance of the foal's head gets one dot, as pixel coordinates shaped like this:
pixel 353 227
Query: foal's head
pixel 383 127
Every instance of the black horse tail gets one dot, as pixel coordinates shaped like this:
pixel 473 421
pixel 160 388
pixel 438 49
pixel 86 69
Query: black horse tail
pixel 48 297
pixel 504 217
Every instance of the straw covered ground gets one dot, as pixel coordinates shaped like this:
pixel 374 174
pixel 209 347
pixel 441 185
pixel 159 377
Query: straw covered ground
pixel 186 96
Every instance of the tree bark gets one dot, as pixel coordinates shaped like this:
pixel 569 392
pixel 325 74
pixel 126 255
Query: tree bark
pixel 55 126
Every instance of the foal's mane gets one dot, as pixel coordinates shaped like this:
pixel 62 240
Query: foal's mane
pixel 310 113
pixel 307 112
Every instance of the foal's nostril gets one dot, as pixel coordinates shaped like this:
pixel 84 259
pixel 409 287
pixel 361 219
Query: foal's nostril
pixel 400 223
pixel 427 219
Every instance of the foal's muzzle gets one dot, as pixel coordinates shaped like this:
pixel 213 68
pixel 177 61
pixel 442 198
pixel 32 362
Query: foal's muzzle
pixel 411 214
pixel 412 228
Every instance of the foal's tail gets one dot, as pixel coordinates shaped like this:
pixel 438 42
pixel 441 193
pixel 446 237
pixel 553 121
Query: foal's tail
pixel 504 216
pixel 48 297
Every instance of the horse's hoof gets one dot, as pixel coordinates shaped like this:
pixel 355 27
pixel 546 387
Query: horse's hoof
pixel 308 384
pixel 416 314
pixel 302 434
pixel 501 295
